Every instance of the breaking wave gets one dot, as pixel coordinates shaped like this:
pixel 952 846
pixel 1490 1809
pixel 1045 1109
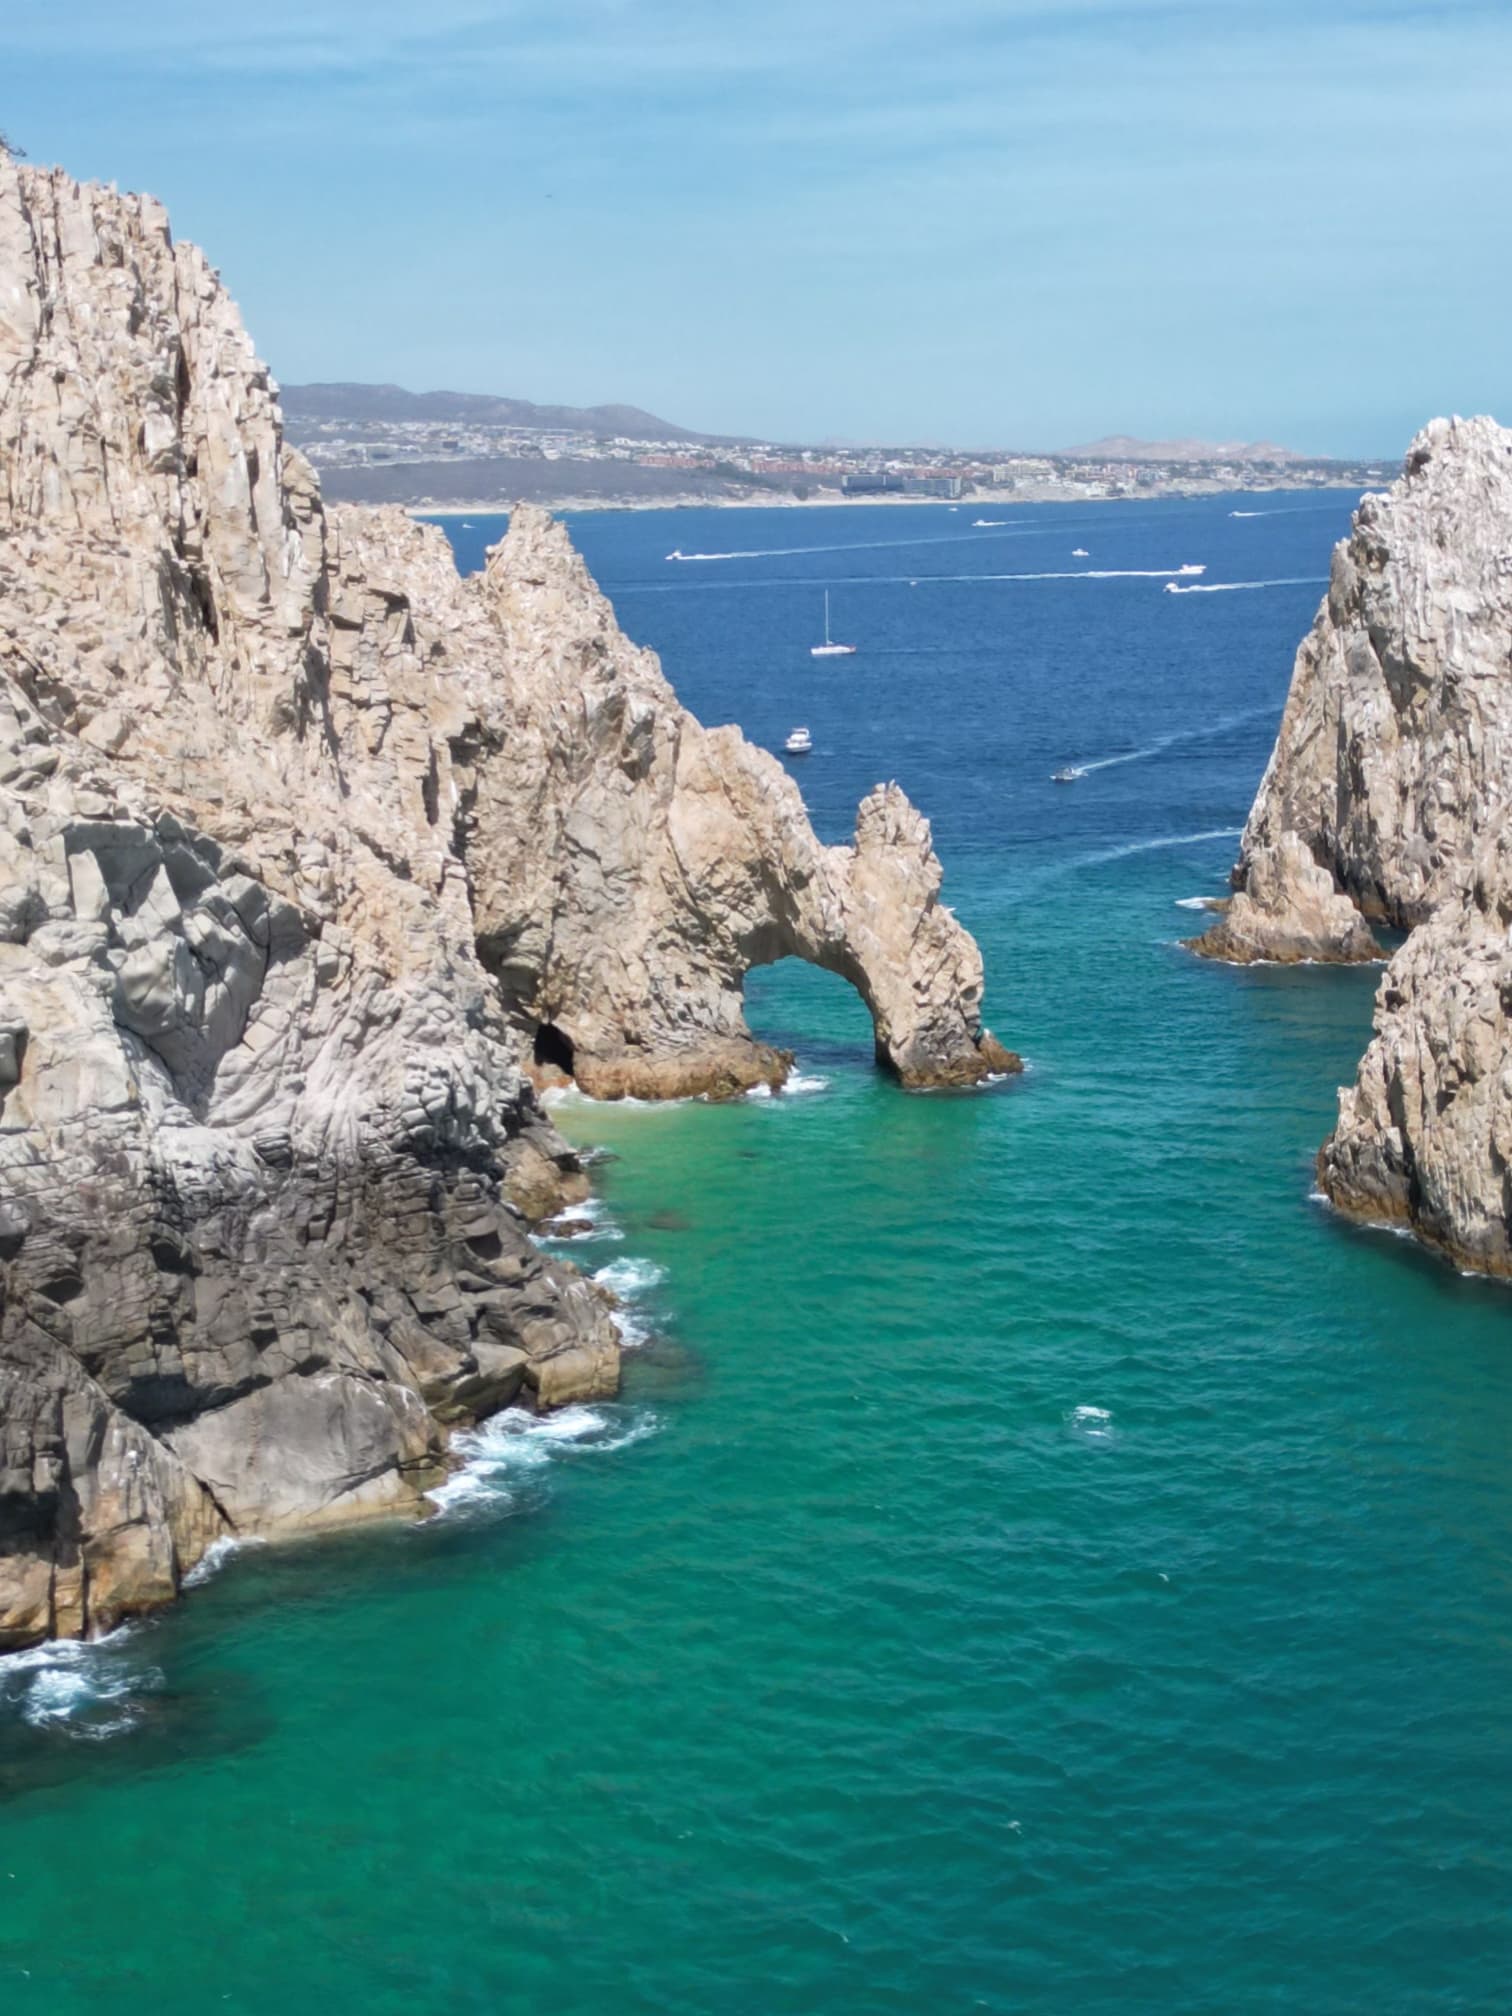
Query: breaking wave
pixel 217 1554
pixel 88 1691
pixel 505 1458
pixel 630 1276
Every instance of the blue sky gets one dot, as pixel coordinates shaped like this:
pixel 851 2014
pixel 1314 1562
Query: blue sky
pixel 1012 222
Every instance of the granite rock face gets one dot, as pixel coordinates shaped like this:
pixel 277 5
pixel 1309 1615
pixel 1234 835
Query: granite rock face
pixel 1397 733
pixel 1386 802
pixel 308 851
pixel 1424 1135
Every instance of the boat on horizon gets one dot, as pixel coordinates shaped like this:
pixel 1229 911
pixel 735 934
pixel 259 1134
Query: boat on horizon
pixel 830 649
pixel 1080 553
pixel 799 743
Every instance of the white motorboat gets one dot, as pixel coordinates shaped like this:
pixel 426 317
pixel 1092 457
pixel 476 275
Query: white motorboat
pixel 799 743
pixel 1080 553
pixel 1067 776
pixel 1193 567
pixel 830 649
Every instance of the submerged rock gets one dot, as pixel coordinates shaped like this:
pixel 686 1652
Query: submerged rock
pixel 1386 801
pixel 310 853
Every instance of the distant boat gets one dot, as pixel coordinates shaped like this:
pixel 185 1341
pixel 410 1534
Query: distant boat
pixel 676 553
pixel 1067 776
pixel 989 521
pixel 467 525
pixel 1080 553
pixel 1171 588
pixel 829 649
pixel 799 743
pixel 1193 567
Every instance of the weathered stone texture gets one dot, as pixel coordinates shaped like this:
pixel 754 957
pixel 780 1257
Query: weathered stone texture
pixel 1386 803
pixel 305 845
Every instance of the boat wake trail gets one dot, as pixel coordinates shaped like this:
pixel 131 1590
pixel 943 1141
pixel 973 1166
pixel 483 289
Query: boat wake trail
pixel 1171 575
pixel 1034 525
pixel 1177 736
pixel 1234 587
pixel 1150 846
pixel 1285 511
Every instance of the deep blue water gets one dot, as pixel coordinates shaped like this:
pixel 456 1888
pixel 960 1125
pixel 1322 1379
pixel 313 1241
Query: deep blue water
pixel 1041 1561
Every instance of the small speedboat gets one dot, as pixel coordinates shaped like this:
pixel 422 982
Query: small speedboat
pixel 1193 567
pixel 1067 776
pixel 799 743
pixel 1080 553
pixel 829 649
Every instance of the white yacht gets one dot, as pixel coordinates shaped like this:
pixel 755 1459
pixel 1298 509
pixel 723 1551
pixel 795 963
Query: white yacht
pixel 829 649
pixel 1080 553
pixel 799 743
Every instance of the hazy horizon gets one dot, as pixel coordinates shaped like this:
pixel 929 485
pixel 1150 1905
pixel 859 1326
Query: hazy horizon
pixel 985 222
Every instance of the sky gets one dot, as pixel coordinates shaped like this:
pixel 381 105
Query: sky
pixel 1013 223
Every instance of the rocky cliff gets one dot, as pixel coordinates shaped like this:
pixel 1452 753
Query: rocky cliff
pixel 1397 732
pixel 1386 803
pixel 310 853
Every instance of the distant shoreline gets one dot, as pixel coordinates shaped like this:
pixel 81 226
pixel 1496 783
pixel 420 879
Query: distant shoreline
pixel 1050 494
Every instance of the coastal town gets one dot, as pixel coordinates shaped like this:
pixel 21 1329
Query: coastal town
pixel 381 445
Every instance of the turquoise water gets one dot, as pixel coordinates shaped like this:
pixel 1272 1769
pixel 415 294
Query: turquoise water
pixel 1041 1561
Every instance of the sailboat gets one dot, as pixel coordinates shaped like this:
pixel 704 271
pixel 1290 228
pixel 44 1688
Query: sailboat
pixel 829 649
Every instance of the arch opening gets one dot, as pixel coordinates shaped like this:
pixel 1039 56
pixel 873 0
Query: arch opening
pixel 821 1015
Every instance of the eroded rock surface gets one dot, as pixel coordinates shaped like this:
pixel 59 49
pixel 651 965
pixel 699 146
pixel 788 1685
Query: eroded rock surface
pixel 1387 801
pixel 306 848
pixel 1397 732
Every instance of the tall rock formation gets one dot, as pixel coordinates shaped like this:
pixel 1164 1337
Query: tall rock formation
pixel 1397 733
pixel 1386 803
pixel 306 846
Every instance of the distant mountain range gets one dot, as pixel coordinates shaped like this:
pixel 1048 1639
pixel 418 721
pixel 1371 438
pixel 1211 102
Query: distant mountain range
pixel 393 403
pixel 1124 448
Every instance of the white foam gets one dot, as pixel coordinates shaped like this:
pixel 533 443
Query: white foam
pixel 1197 902
pixel 65 1684
pixel 217 1554
pixel 761 1091
pixel 1094 1424
pixel 629 1276
pixel 800 1083
pixel 515 1445
pixel 594 1213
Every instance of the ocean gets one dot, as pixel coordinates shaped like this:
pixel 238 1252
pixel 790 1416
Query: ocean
pixel 1041 1560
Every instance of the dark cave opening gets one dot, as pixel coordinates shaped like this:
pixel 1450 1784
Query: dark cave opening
pixel 553 1047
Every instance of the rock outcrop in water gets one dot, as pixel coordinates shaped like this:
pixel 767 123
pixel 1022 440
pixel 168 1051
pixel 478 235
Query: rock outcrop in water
pixel 1397 735
pixel 306 848
pixel 1386 803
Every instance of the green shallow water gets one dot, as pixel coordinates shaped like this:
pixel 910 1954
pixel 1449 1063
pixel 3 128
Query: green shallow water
pixel 1043 1560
